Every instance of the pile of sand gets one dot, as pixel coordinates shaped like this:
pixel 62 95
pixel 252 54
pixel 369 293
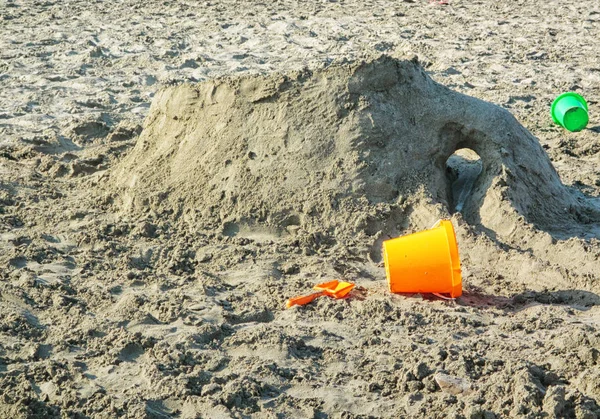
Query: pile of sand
pixel 353 151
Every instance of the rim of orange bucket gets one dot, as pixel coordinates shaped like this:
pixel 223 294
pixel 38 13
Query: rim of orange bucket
pixel 386 263
pixel 454 256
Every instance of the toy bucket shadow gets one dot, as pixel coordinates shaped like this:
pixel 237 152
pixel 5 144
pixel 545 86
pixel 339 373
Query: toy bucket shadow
pixel 576 299
pixel 595 129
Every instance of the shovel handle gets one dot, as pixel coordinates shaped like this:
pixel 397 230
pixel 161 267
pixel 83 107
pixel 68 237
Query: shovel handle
pixel 305 299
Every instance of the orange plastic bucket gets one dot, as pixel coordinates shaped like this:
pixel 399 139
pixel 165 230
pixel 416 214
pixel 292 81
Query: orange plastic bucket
pixel 424 262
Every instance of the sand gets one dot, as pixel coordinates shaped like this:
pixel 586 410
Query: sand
pixel 148 251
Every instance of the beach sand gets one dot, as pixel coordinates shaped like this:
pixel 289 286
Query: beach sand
pixel 146 275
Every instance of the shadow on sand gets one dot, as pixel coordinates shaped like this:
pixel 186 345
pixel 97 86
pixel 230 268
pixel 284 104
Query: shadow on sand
pixel 576 299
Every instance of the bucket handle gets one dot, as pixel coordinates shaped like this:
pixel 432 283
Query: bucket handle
pixel 443 297
pixel 437 224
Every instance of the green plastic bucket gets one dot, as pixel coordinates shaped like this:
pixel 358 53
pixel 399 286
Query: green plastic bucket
pixel 570 111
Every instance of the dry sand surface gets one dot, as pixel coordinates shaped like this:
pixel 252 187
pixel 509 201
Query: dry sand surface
pixel 171 172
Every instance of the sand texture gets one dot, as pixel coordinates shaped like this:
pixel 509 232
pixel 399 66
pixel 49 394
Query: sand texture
pixel 172 172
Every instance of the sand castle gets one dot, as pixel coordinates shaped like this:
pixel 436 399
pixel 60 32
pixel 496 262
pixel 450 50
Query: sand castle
pixel 349 149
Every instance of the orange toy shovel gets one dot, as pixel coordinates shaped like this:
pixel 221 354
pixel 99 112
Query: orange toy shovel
pixel 335 289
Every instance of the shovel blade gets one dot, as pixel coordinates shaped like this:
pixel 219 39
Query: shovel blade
pixel 335 289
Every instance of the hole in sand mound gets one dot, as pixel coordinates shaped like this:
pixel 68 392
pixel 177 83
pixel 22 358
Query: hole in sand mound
pixel 463 169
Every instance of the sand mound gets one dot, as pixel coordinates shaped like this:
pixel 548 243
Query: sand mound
pixel 352 151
